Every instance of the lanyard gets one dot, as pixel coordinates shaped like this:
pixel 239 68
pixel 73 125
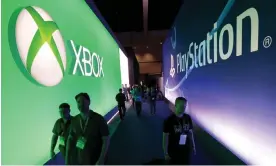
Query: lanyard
pixel 83 128
pixel 64 127
pixel 182 122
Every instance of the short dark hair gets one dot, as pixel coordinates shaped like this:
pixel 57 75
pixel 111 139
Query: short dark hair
pixel 85 95
pixel 180 99
pixel 64 105
pixel 120 89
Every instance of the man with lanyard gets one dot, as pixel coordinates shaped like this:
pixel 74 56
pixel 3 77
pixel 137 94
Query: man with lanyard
pixel 89 136
pixel 61 129
pixel 152 100
pixel 120 98
pixel 178 135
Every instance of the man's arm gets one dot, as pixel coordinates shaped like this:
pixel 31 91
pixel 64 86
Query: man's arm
pixel 165 143
pixel 193 140
pixel 192 134
pixel 54 139
pixel 69 145
pixel 116 97
pixel 104 151
pixel 104 131
pixel 54 142
pixel 165 137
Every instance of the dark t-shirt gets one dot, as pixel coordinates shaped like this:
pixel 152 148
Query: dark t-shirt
pixel 175 126
pixel 61 129
pixel 121 98
pixel 95 130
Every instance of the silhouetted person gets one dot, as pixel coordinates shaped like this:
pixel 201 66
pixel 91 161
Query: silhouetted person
pixel 152 100
pixel 178 140
pixel 120 98
pixel 89 136
pixel 125 91
pixel 128 91
pixel 132 95
pixel 159 93
pixel 61 130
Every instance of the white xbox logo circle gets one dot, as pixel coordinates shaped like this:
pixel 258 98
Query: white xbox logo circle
pixel 40 46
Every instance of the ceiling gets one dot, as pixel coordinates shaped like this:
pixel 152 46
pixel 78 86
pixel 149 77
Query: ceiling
pixel 127 15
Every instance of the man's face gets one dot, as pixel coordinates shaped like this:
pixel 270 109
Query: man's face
pixel 180 107
pixel 64 112
pixel 83 104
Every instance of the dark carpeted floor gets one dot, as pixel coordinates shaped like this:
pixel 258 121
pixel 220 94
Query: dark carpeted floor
pixel 138 140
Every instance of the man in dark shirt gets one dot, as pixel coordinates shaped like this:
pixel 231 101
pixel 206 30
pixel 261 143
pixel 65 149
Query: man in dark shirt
pixel 178 135
pixel 88 140
pixel 61 129
pixel 121 98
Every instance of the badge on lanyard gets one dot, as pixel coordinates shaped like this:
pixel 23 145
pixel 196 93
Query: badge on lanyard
pixel 82 140
pixel 62 140
pixel 61 137
pixel 81 143
pixel 182 140
pixel 183 137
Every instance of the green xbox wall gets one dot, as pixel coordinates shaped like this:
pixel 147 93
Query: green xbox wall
pixel 29 111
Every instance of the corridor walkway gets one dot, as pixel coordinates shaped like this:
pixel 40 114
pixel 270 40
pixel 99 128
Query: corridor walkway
pixel 138 140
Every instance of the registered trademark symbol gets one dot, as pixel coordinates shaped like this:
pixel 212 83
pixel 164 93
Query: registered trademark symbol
pixel 267 41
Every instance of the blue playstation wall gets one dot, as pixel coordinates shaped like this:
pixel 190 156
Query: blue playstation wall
pixel 227 73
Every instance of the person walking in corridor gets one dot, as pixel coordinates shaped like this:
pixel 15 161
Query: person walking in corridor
pixel 121 99
pixel 88 140
pixel 125 91
pixel 132 96
pixel 178 136
pixel 61 130
pixel 152 100
pixel 138 100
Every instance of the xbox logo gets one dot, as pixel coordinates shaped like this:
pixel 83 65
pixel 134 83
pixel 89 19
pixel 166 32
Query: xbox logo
pixel 40 46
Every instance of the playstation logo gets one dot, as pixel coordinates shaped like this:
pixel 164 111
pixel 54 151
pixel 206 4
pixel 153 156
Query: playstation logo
pixel 172 70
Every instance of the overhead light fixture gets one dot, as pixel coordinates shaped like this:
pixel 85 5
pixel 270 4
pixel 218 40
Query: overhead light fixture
pixel 160 42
